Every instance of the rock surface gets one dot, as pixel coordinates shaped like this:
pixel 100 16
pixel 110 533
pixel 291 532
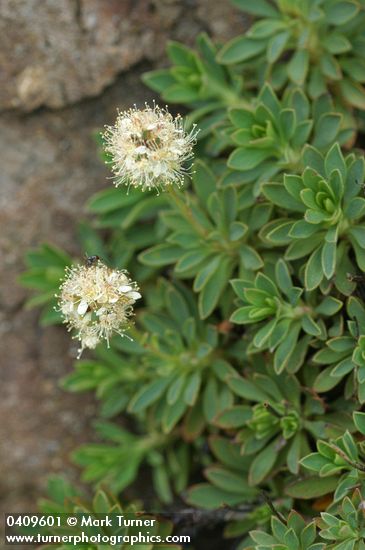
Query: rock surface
pixel 55 56
pixel 56 52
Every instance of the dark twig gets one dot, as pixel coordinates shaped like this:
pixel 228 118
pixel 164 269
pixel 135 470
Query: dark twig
pixel 270 504
pixel 354 463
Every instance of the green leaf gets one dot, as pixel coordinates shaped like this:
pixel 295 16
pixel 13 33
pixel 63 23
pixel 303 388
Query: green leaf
pixel 160 255
pixel 353 93
pixel 242 316
pixel 246 158
pixel 114 403
pixel 250 259
pixel 302 133
pixel 283 277
pixel 343 367
pixel 101 503
pixel 50 317
pixel 260 7
pixel 309 326
pixel 237 230
pixel 212 290
pixel 265 28
pixel 206 273
pixel 355 208
pixel 277 194
pixel 288 122
pixel 172 415
pixel 180 54
pixel 358 232
pixel 248 390
pixel 317 83
pixel 360 255
pixel 336 43
pixel 234 417
pixel 240 49
pixel 241 118
pixel 280 232
pixel 334 161
pixel 330 67
pixel 177 306
pixel 210 399
pixel 312 487
pixel 192 388
pixel 208 497
pixel 112 199
pixel 191 260
pixel 276 46
pixel 313 158
pixel 298 67
pixel 222 370
pixel 37 279
pixel 314 461
pixel 270 104
pixel 264 539
pixel 355 68
pixel 149 394
pixel 264 333
pixel 293 455
pixel 175 389
pixel 47 255
pixel 328 259
pixel 161 483
pixel 203 180
pixel 285 349
pixel 339 13
pixel 313 270
pixel 228 481
pixel 194 422
pixel 263 463
pixel 158 80
pixel 178 93
pixel 302 230
pixel 359 420
pixel 325 381
pixel 329 306
pixel 227 452
pixel 326 129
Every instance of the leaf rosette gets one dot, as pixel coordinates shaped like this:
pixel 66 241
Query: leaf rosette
pixel 330 229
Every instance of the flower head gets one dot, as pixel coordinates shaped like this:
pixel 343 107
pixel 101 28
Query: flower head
pixel 149 148
pixel 96 302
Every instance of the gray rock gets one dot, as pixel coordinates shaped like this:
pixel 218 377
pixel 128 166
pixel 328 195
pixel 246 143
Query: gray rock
pixel 56 52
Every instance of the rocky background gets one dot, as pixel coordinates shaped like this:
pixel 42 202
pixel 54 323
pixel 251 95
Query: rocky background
pixel 65 67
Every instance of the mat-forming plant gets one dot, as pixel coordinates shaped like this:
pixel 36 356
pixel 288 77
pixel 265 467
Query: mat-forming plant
pixel 223 293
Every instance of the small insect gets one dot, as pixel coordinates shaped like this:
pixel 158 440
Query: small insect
pixel 91 260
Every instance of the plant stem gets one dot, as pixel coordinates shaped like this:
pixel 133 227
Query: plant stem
pixel 184 209
pixel 358 465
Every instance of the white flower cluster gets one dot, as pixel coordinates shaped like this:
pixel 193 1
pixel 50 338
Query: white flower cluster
pixel 149 148
pixel 96 302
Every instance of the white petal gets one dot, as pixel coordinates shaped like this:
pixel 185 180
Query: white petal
pixel 125 288
pixel 68 307
pixel 82 307
pixel 141 150
pixel 134 295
